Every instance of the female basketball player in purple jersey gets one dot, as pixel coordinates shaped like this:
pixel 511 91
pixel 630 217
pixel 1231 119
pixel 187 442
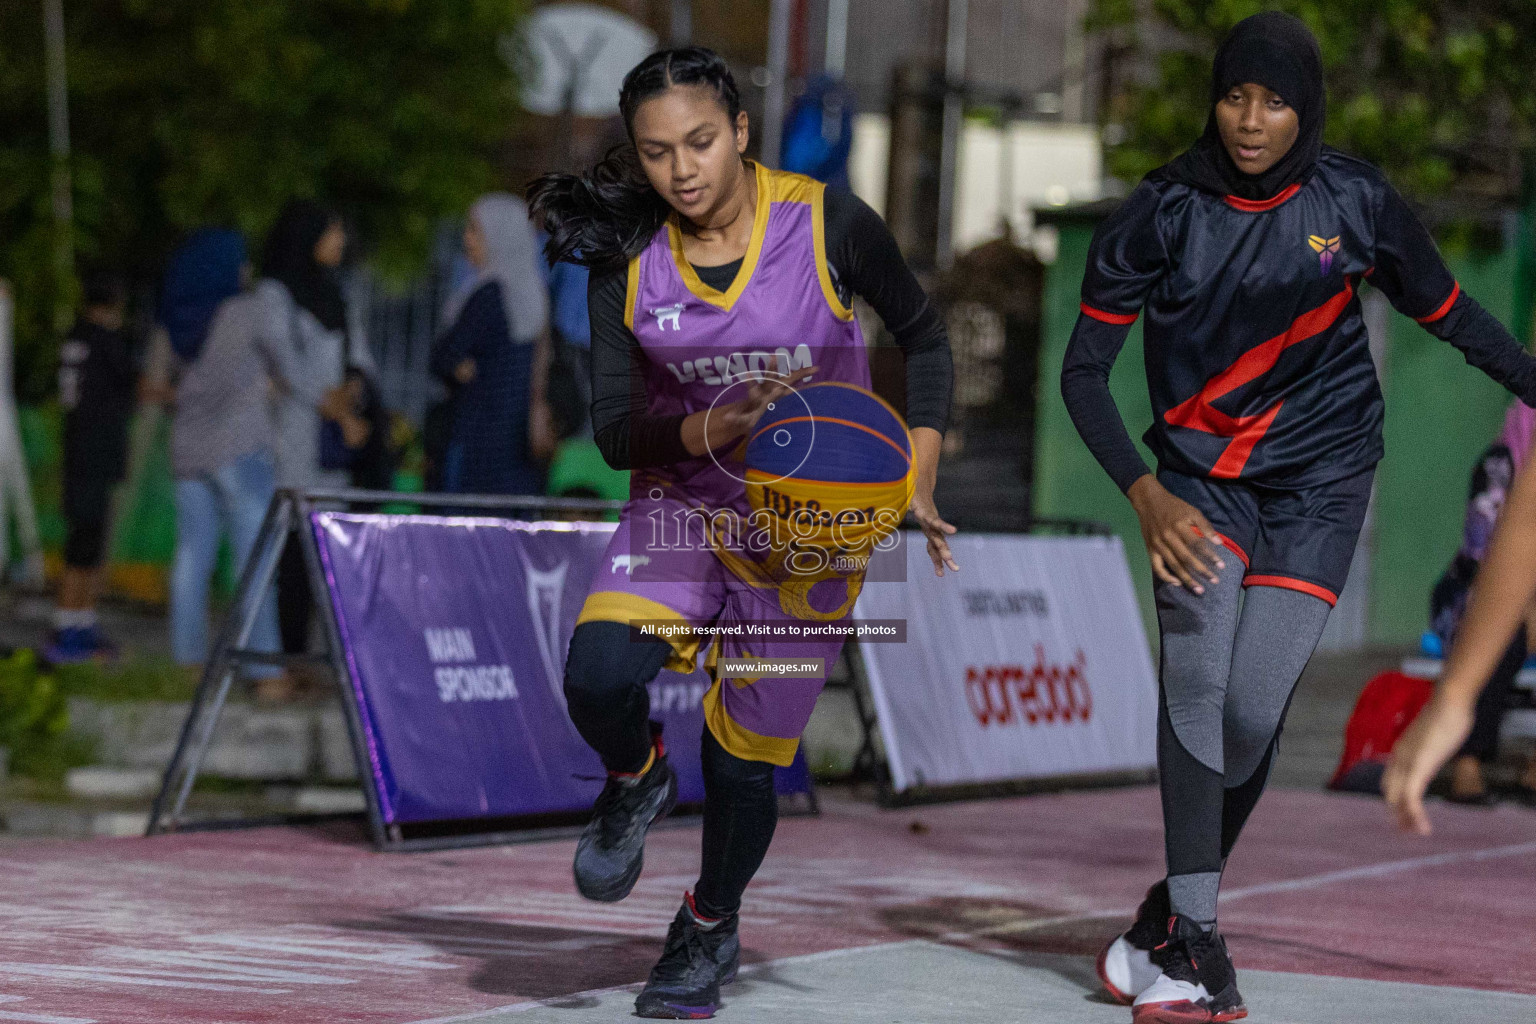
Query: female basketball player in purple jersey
pixel 1246 254
pixel 718 285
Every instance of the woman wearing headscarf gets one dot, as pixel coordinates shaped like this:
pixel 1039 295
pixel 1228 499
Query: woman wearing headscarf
pixel 495 354
pixel 223 438
pixel 1247 253
pixel 303 309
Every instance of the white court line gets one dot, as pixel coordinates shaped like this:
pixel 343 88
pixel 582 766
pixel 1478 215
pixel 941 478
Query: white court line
pixel 1390 867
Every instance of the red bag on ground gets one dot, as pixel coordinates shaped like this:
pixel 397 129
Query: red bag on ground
pixel 1387 706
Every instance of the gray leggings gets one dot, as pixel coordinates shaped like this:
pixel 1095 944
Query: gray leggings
pixel 1230 662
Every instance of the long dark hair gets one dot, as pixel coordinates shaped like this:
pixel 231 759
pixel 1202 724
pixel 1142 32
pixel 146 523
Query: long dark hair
pixel 607 217
pixel 289 257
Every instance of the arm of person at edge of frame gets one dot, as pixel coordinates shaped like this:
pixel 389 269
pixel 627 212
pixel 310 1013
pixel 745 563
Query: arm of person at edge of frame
pixel 1504 587
pixel 707 431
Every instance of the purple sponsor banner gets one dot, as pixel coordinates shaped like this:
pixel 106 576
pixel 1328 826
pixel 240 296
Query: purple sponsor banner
pixel 455 631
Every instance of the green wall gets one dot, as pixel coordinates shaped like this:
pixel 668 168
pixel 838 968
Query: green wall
pixel 1441 414
pixel 1068 482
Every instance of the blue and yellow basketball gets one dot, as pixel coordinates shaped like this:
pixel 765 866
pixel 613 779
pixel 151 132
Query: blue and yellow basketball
pixel 833 463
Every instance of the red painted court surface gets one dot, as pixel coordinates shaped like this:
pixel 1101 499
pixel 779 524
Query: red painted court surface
pixel 311 925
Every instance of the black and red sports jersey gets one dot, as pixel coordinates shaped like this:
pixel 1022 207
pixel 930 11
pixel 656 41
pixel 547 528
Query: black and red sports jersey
pixel 1256 350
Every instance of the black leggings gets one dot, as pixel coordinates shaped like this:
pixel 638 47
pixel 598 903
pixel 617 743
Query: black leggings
pixel 606 674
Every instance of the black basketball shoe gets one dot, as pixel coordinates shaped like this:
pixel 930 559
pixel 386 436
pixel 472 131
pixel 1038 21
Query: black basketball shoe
pixel 612 848
pixel 1198 984
pixel 700 956
pixel 1126 967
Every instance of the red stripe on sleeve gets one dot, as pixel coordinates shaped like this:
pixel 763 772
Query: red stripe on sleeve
pixel 1444 308
pixel 1106 317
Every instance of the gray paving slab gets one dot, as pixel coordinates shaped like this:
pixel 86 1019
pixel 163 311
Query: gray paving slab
pixel 921 982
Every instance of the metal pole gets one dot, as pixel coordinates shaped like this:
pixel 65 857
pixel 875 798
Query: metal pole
pixel 682 22
pixel 778 75
pixel 1073 62
pixel 954 111
pixel 58 148
pixel 837 38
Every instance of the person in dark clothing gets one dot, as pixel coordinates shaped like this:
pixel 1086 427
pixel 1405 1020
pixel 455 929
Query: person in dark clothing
pixel 98 388
pixel 495 355
pixel 1247 254
pixel 300 292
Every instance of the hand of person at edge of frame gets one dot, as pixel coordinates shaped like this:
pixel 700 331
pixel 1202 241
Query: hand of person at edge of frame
pixel 740 417
pixel 1417 757
pixel 936 530
pixel 1180 541
pixel 355 430
pixel 542 438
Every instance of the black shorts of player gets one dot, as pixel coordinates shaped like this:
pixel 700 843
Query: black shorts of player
pixel 1297 538
pixel 87 500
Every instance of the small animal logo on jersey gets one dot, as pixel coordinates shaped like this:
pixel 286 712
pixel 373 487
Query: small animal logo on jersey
pixel 669 315
pixel 629 563
pixel 1326 249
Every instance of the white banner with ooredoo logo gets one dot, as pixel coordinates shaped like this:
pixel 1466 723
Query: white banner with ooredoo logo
pixel 1029 663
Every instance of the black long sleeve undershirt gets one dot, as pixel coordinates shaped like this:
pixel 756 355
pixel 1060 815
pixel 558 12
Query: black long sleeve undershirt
pixel 1085 388
pixel 1483 341
pixel 864 260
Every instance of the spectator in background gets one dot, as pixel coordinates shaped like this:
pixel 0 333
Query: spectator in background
pixel 98 382
pixel 222 436
pixel 1491 480
pixel 302 309
pixel 571 367
pixel 495 355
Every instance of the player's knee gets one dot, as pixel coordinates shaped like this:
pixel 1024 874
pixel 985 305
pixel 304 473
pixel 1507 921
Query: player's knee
pixel 1252 726
pixel 605 665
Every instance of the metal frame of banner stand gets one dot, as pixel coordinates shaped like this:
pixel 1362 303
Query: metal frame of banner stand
pixel 289 513
pixel 870 765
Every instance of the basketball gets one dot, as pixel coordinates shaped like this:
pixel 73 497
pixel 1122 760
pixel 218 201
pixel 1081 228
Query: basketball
pixel 832 463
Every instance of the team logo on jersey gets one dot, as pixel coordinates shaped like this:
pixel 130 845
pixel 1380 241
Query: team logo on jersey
pixel 668 315
pixel 629 563
pixel 1326 249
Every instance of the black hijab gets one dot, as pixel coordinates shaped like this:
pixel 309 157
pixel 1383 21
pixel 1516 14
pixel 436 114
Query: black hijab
pixel 1279 52
pixel 289 257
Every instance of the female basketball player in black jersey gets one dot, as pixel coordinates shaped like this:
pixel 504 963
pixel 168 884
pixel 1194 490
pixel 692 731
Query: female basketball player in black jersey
pixel 1247 255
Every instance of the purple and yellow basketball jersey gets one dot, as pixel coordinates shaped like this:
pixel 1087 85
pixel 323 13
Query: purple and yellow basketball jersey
pixel 666 563
pixel 781 314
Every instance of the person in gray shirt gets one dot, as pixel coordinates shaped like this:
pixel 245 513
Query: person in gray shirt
pixel 225 440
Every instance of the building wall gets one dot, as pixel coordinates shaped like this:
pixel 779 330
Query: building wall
pixel 1012 45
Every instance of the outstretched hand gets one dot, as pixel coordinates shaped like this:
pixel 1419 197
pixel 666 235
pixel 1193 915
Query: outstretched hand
pixel 1419 754
pixel 937 531
pixel 739 417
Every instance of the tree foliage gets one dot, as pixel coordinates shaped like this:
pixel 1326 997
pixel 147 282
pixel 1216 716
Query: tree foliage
pixel 193 112
pixel 1437 92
